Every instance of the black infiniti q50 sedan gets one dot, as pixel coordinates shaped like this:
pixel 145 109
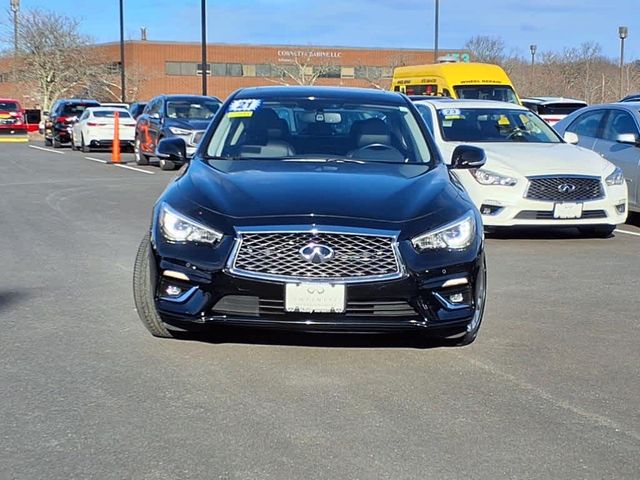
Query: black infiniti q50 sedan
pixel 319 209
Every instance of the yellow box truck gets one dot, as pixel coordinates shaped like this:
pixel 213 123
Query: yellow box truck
pixel 481 81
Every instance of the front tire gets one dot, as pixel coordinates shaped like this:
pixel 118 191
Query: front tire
pixel 167 164
pixel 597 231
pixel 83 146
pixel 144 280
pixel 56 142
pixel 141 158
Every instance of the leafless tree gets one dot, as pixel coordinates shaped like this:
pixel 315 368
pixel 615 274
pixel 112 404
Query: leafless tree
pixel 486 49
pixel 54 57
pixel 380 77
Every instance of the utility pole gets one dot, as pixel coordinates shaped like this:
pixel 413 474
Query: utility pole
pixel 623 33
pixel 123 92
pixel 436 31
pixel 15 8
pixel 205 70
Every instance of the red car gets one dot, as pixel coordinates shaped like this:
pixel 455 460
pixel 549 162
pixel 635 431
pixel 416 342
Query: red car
pixel 12 119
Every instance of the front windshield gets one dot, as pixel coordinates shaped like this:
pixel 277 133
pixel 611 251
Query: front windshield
pixel 499 93
pixel 316 129
pixel 192 110
pixel 494 125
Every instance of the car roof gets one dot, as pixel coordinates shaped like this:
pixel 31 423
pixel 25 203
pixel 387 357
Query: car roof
pixel 78 100
pixel 9 100
pixel 548 100
pixel 338 93
pixel 441 103
pixel 190 97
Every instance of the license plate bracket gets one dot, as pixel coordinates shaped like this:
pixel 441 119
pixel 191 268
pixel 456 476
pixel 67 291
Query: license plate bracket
pixel 315 298
pixel 567 210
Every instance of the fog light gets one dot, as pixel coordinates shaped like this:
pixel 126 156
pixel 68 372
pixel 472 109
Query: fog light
pixel 173 291
pixel 486 209
pixel 621 208
pixel 456 298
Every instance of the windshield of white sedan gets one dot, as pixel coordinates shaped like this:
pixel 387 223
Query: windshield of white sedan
pixel 494 125
pixel 318 129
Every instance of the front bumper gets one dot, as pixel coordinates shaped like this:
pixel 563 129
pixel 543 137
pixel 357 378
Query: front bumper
pixel 204 291
pixel 508 207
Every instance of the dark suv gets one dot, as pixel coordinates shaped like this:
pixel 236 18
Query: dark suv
pixel 184 116
pixel 64 113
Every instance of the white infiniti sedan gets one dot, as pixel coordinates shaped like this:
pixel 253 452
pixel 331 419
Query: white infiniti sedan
pixel 95 129
pixel 532 176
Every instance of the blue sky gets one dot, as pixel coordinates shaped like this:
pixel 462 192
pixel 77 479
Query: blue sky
pixel 551 24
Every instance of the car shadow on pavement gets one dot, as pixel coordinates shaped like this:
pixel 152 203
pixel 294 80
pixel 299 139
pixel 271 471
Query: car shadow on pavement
pixel 8 298
pixel 539 233
pixel 248 336
pixel 634 219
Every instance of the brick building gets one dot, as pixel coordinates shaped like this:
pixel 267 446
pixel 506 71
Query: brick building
pixel 167 67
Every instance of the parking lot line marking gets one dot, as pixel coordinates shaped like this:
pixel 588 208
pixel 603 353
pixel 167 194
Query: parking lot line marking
pixel 46 149
pixel 636 234
pixel 96 159
pixel 134 168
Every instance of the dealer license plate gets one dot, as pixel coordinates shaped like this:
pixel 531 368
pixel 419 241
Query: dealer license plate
pixel 567 210
pixel 314 298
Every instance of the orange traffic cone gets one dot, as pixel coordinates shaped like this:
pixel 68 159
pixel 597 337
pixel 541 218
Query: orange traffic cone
pixel 115 150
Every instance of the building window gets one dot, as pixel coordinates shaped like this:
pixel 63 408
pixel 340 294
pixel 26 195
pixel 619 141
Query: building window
pixel 234 69
pixel 249 70
pixel 348 72
pixel 329 71
pixel 360 72
pixel 219 69
pixel 172 68
pixel 374 72
pixel 263 70
pixel 188 69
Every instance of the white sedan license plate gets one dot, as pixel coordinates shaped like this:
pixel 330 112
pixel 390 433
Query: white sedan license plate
pixel 567 210
pixel 314 298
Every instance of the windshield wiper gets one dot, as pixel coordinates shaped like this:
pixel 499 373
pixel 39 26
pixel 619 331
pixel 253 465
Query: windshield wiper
pixel 314 158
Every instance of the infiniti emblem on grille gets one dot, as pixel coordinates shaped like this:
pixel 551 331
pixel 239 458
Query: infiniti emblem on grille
pixel 566 187
pixel 316 253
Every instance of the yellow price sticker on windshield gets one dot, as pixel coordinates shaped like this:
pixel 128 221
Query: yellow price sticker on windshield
pixel 503 120
pixel 239 114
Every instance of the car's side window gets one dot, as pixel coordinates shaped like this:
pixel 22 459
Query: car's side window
pixel 154 106
pixel 619 123
pixel 587 124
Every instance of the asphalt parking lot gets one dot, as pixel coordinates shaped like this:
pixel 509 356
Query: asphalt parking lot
pixel 551 388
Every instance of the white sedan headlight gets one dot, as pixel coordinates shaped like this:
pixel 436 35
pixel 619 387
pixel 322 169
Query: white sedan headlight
pixel 180 131
pixel 616 178
pixel 486 177
pixel 178 228
pixel 455 236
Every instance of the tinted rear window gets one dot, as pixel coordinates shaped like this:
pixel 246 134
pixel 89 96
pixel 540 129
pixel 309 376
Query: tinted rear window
pixel 9 106
pixel 77 108
pixel 559 108
pixel 110 113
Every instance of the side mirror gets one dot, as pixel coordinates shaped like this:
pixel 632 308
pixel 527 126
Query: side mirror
pixel 466 156
pixel 628 138
pixel 172 148
pixel 571 138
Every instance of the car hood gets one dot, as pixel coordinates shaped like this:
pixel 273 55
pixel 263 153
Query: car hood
pixel 530 159
pixel 187 123
pixel 319 191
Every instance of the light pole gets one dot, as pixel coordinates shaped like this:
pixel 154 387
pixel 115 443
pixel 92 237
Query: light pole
pixel 623 33
pixel 203 19
pixel 436 31
pixel 123 92
pixel 15 8
pixel 533 49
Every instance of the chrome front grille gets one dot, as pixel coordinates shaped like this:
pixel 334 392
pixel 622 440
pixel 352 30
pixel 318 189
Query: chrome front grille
pixel 564 189
pixel 278 256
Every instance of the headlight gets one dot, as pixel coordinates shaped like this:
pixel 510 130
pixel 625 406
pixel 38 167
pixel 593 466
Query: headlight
pixel 177 228
pixel 616 178
pixel 455 236
pixel 485 177
pixel 179 131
